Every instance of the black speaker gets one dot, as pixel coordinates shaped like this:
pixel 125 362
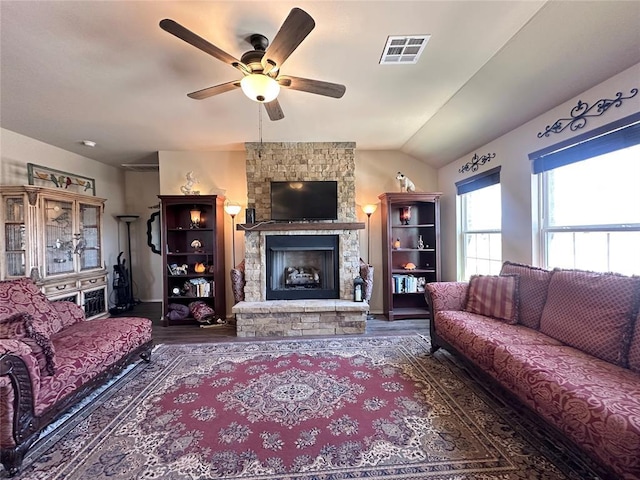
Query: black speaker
pixel 250 215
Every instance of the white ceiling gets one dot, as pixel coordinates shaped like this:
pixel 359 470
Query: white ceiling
pixel 105 71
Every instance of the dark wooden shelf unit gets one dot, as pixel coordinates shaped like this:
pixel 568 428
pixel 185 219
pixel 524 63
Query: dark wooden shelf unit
pixel 403 289
pixel 178 248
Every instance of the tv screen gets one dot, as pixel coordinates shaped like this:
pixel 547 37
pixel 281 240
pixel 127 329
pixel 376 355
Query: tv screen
pixel 311 200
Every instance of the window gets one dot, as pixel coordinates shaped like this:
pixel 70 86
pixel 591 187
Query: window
pixel 481 222
pixel 591 201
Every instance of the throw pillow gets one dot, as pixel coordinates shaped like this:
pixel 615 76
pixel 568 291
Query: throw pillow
pixel 19 326
pixel 22 295
pixel 494 296
pixel 591 311
pixel 532 291
pixel 201 311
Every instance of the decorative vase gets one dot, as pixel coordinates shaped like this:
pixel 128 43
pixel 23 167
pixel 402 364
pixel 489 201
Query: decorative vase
pixel 199 268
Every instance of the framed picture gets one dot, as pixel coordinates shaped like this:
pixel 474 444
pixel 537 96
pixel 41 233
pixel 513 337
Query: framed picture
pixel 49 177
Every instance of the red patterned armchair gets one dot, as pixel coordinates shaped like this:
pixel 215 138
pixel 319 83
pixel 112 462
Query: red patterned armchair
pixel 51 357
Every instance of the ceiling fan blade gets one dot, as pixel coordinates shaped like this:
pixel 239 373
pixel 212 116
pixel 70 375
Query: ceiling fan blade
pixel 215 90
pixel 318 87
pixel 294 29
pixel 274 110
pixel 191 38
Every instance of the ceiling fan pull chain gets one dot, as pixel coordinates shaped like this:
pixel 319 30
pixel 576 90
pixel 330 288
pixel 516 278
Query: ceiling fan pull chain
pixel 260 129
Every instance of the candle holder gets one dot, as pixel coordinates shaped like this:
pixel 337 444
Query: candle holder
pixel 405 215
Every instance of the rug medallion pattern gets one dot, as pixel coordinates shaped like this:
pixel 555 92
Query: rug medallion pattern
pixel 371 408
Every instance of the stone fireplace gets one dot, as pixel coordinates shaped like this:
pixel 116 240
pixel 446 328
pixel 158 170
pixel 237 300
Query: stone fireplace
pixel 316 309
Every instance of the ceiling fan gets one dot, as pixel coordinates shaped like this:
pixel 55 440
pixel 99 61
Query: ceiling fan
pixel 261 66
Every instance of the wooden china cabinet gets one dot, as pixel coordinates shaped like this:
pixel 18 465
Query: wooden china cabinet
pixel 54 236
pixel 410 251
pixel 192 253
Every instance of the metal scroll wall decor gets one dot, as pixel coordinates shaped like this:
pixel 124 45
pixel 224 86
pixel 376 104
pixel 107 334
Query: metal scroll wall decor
pixel 475 162
pixel 582 111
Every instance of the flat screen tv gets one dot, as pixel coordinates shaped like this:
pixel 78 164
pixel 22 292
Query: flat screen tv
pixel 310 200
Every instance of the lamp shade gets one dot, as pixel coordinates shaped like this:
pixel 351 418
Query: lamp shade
pixel 232 208
pixel 260 88
pixel 128 218
pixel 370 208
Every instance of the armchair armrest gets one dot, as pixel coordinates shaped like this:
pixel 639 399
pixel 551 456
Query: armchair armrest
pixel 19 388
pixel 444 296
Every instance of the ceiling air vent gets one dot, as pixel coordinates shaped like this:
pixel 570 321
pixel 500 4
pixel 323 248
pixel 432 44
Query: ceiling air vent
pixel 141 167
pixel 403 49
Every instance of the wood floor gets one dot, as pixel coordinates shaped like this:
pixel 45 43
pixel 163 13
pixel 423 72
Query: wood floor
pixel 227 333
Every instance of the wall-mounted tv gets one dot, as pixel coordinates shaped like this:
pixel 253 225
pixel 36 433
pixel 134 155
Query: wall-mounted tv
pixel 300 200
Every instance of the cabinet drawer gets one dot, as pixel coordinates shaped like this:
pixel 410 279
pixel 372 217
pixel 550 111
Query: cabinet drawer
pixel 59 288
pixel 86 283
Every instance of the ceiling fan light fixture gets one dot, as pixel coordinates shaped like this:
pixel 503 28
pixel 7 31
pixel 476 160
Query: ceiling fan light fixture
pixel 260 88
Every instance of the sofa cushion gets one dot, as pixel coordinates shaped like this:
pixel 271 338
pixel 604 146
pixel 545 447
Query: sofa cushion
pixel 634 347
pixel 478 336
pixel 68 312
pixel 591 311
pixel 22 295
pixel 494 296
pixel 532 291
pixel 19 326
pixel 86 349
pixel 595 403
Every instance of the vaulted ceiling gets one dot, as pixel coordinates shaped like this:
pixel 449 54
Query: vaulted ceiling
pixel 105 71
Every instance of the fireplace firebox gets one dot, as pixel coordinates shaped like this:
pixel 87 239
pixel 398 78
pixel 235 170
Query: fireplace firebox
pixel 302 267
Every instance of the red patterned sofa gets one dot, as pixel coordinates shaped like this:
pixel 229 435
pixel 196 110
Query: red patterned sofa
pixel 566 343
pixel 51 357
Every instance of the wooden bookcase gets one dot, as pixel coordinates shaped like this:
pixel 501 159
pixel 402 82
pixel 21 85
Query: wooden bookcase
pixel 186 246
pixel 403 289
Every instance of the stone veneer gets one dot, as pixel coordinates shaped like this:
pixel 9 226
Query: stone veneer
pixel 282 161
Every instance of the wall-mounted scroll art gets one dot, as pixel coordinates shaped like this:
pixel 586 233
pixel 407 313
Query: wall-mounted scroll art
pixel 49 177
pixel 475 162
pixel 582 111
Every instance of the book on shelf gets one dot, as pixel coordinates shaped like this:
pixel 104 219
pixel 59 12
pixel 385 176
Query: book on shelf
pixel 404 283
pixel 202 287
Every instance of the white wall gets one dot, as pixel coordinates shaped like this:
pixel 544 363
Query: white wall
pixel 142 190
pixel 518 185
pixel 17 150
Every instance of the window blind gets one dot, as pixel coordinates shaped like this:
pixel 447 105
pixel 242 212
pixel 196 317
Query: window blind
pixel 481 180
pixel 617 135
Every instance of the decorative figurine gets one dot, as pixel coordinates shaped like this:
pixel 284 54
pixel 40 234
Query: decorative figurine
pixel 406 185
pixel 420 242
pixel 186 189
pixel 396 244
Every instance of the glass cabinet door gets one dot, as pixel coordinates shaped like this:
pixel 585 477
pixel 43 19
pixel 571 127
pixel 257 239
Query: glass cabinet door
pixel 14 236
pixel 58 236
pixel 88 243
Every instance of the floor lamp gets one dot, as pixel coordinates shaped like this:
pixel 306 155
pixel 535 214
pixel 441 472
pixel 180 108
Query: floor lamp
pixel 369 209
pixel 129 219
pixel 233 209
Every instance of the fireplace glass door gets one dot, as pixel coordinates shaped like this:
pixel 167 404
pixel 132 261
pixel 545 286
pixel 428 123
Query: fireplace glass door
pixel 302 267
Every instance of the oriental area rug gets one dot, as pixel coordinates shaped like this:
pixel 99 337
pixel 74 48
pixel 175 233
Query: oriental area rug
pixel 343 408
